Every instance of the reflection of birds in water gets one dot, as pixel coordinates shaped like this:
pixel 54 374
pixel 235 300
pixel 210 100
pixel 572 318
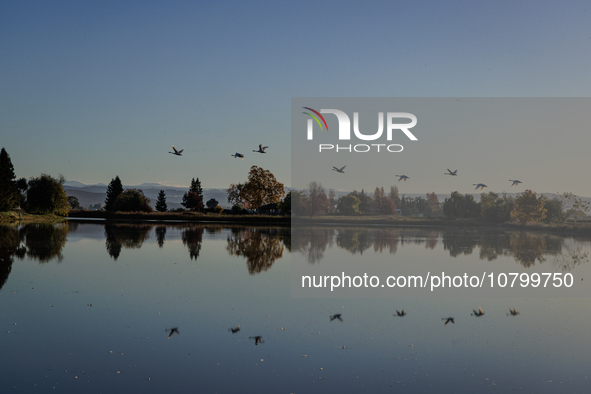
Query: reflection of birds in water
pixel 261 149
pixel 234 330
pixel 402 178
pixel 513 311
pixel 478 312
pixel 450 172
pixel 258 339
pixel 336 316
pixel 177 152
pixel 339 169
pixel 479 185
pixel 448 319
pixel 515 182
pixel 172 331
pixel 403 313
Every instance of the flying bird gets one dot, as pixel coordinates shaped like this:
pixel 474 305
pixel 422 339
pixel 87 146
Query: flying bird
pixel 403 313
pixel 478 312
pixel 177 152
pixel 336 316
pixel 339 169
pixel 261 149
pixel 258 339
pixel 447 320
pixel 234 330
pixel 237 155
pixel 450 172
pixel 172 331
pixel 479 185
pixel 513 311
pixel 515 182
pixel 402 178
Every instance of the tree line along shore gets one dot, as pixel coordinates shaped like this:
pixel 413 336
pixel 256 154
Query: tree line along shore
pixel 262 199
pixel 45 199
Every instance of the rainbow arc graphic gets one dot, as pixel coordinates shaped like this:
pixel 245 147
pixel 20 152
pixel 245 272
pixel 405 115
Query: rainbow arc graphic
pixel 315 118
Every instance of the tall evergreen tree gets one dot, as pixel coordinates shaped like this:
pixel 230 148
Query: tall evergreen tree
pixel 192 201
pixel 161 202
pixel 196 187
pixel 9 196
pixel 195 201
pixel 114 189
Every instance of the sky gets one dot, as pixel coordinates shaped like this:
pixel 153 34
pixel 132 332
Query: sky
pixel 91 90
pixel 541 141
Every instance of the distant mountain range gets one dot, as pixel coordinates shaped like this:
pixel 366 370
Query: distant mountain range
pixel 97 193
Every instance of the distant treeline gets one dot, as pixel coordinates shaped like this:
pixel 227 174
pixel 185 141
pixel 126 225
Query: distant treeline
pixel 527 207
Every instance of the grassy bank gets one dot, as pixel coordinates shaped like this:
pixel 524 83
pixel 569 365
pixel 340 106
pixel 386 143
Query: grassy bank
pixel 570 228
pixel 13 217
pixel 187 216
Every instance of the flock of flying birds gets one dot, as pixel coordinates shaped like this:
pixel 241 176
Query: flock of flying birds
pixel 257 339
pixel 338 316
pixel 235 155
pixel 480 186
pixel 477 313
pixel 341 170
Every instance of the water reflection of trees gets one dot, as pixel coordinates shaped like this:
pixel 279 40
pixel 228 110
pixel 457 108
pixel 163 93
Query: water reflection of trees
pixel 120 236
pixel 160 235
pixel 354 240
pixel 212 230
pixel 529 248
pixel 525 248
pixel 313 242
pixel 571 258
pixel 42 242
pixel 125 235
pixel 10 246
pixel 260 246
pixel 460 243
pixel 192 238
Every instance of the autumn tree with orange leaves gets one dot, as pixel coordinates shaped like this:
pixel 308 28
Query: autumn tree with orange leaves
pixel 529 207
pixel 261 189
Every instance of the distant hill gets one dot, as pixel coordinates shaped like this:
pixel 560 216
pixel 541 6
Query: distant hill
pixel 93 194
pixel 74 184
pixel 96 194
pixel 87 198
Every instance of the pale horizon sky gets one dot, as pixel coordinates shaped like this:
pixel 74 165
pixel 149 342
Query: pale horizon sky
pixel 542 142
pixel 95 90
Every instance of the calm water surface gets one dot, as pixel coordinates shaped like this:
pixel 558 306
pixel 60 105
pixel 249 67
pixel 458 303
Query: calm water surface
pixel 90 308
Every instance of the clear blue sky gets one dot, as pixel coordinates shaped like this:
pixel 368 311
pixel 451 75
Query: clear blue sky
pixel 92 90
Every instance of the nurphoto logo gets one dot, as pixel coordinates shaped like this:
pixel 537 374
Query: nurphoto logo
pixel 345 130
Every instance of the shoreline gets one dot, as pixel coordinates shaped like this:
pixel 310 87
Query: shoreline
pixel 192 217
pixel 15 217
pixel 579 228
pixel 571 228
